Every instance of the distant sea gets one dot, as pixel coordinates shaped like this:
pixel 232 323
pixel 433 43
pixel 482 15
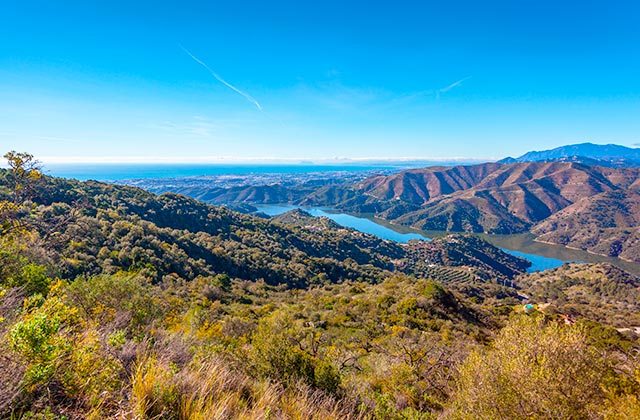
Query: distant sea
pixel 122 171
pixel 117 172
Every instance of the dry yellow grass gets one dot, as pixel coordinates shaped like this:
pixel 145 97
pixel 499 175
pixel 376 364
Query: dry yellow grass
pixel 210 390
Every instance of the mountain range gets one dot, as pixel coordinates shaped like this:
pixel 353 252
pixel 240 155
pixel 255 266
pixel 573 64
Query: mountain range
pixel 569 203
pixel 589 207
pixel 119 303
pixel 589 153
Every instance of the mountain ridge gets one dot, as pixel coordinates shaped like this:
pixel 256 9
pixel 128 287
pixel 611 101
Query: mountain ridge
pixel 594 154
pixel 483 198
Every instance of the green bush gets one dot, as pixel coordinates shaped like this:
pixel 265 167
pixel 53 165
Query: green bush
pixel 41 337
pixel 277 356
pixel 32 277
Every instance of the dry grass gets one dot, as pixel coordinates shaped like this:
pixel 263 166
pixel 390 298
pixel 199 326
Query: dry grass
pixel 211 390
pixel 11 370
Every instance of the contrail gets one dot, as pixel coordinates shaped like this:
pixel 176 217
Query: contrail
pixel 224 82
pixel 454 84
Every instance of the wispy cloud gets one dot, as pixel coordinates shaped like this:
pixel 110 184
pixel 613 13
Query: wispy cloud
pixel 336 96
pixel 451 86
pixel 198 126
pixel 221 80
pixel 454 84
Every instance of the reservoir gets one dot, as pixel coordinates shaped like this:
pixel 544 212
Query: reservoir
pixel 542 256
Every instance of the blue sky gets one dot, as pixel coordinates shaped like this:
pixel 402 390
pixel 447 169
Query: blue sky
pixel 111 80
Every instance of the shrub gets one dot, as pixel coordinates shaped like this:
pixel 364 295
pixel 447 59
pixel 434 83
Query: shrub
pixel 35 339
pixel 276 356
pixel 533 370
pixel 32 277
pixel 106 297
pixel 41 337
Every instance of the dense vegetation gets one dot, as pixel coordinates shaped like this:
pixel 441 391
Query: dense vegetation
pixel 119 303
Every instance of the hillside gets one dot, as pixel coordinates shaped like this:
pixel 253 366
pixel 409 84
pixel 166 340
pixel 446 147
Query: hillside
pixel 586 207
pixel 479 198
pixel 119 303
pixel 118 227
pixel 605 224
pixel 115 227
pixel 482 198
pixel 479 260
pixel 491 197
pixel 599 292
pixel 529 190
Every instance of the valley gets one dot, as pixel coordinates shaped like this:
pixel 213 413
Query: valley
pixel 543 256
pixel 109 290
pixel 546 199
pixel 332 210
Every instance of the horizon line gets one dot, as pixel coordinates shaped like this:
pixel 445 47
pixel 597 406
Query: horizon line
pixel 220 160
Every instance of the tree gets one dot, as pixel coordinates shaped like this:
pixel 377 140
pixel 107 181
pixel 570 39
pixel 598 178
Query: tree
pixel 23 176
pixel 25 172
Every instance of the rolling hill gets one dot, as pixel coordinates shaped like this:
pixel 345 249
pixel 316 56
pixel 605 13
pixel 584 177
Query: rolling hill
pixel 92 227
pixel 119 303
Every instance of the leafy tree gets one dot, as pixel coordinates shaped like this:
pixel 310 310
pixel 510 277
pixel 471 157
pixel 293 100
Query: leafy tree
pixel 24 174
pixel 279 354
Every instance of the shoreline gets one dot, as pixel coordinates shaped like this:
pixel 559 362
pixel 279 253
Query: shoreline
pixel 520 242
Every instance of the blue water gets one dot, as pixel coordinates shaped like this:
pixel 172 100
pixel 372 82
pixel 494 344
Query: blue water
pixel 359 223
pixel 116 172
pixel 538 262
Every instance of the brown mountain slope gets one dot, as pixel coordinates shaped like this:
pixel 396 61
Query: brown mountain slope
pixel 607 224
pixel 488 197
pixel 420 186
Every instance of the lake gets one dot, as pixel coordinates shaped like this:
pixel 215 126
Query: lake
pixel 359 223
pixel 401 234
